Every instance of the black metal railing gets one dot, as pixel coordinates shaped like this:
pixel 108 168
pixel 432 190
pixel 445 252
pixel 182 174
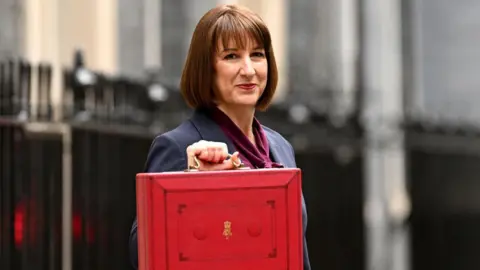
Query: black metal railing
pixel 31 198
pixel 104 166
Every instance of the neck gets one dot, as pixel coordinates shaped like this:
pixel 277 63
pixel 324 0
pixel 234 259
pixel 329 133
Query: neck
pixel 242 117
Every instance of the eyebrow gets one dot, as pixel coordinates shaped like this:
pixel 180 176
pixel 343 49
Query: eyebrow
pixel 235 49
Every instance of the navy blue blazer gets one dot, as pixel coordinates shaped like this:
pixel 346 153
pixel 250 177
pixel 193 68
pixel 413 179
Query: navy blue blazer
pixel 168 153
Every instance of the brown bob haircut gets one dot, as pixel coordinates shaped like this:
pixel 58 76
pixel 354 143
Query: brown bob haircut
pixel 225 23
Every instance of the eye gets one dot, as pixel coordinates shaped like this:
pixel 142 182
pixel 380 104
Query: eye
pixel 230 56
pixel 258 54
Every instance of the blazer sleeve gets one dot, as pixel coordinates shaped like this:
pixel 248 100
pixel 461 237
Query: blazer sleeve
pixel 164 155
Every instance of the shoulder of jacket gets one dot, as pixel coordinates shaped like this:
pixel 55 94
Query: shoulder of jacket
pixel 278 137
pixel 183 135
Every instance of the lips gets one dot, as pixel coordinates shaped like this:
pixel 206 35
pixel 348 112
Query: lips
pixel 247 86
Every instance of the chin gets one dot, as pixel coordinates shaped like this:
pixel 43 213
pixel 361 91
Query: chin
pixel 245 102
pixel 243 105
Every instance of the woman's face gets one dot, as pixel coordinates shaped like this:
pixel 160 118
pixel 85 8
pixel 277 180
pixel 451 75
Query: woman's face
pixel 240 74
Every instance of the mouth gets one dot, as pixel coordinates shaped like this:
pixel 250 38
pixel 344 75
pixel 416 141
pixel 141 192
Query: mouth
pixel 247 86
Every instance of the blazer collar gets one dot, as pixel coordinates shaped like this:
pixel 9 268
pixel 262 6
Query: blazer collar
pixel 211 131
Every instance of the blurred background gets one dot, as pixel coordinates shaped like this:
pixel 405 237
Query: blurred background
pixel 378 98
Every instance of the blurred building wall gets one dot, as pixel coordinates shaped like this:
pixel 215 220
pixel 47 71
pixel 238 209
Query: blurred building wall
pixel 54 29
pixel 444 58
pixel 314 41
pixel 324 52
pixel 131 37
pixel 11 24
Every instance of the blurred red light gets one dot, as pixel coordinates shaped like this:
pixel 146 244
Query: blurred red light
pixel 77 227
pixel 19 224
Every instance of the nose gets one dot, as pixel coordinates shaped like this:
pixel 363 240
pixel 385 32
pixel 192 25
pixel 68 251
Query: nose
pixel 247 68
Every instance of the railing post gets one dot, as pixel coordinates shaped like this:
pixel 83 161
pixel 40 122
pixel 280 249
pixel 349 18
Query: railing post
pixel 67 199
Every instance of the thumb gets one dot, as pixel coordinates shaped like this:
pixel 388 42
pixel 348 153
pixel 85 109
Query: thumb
pixel 233 162
pixel 235 159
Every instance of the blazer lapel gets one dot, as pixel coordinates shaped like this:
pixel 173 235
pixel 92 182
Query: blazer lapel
pixel 209 130
pixel 278 153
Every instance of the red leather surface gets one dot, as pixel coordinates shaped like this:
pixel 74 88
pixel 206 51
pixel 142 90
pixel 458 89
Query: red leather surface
pixel 236 220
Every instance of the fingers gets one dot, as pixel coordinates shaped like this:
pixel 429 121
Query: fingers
pixel 207 152
pixel 219 155
pixel 206 156
pixel 232 163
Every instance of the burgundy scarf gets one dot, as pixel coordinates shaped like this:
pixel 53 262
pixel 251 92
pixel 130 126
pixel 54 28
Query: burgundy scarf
pixel 251 156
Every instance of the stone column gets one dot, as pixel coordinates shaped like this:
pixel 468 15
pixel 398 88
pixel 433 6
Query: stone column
pixel 132 36
pixel 11 28
pixel 387 203
pixel 152 23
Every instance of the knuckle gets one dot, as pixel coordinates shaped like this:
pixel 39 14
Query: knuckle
pixel 194 145
pixel 222 147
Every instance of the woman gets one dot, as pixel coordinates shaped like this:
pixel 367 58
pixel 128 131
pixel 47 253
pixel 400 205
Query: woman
pixel 229 73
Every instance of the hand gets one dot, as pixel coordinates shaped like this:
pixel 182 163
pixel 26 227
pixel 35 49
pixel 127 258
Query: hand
pixel 211 156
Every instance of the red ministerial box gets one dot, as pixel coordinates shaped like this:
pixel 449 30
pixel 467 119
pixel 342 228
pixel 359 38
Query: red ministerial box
pixel 236 220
